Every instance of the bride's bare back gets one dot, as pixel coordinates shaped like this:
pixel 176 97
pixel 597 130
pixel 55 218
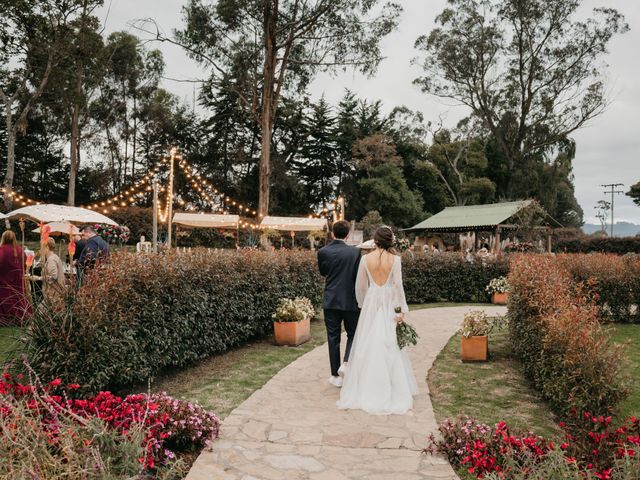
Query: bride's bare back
pixel 379 264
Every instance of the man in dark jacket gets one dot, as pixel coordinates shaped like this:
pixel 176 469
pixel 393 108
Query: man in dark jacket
pixel 95 249
pixel 338 263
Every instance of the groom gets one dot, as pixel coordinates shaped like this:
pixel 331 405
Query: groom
pixel 338 263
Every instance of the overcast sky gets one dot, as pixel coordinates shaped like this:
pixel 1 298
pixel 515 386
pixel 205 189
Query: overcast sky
pixel 608 149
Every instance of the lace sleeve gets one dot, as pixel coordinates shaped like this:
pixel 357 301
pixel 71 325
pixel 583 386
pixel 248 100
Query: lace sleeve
pixel 362 282
pixel 398 288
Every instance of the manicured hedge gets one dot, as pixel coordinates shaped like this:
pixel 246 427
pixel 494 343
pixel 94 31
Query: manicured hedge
pixel 614 281
pixel 140 314
pixel 588 244
pixel 556 333
pixel 448 277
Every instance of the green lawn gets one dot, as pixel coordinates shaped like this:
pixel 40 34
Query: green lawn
pixel 489 392
pixel 422 306
pixel 223 382
pixel 9 343
pixel 630 335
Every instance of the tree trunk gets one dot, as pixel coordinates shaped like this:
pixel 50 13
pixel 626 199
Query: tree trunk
pixel 267 109
pixel 73 155
pixel 11 161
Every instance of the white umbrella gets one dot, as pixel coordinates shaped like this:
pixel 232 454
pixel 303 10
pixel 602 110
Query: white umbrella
pixel 61 227
pixel 60 213
pixel 2 216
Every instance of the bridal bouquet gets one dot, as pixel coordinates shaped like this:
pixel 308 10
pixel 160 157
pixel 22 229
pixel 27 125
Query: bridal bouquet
pixel 405 333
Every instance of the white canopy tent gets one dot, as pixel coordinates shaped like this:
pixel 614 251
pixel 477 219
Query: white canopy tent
pixel 61 227
pixel 60 213
pixel 206 220
pixel 294 224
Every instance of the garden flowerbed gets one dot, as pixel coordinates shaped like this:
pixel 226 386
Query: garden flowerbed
pixel 591 448
pixel 49 431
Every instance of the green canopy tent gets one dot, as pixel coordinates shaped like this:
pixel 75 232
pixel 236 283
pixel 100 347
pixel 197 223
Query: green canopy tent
pixel 493 218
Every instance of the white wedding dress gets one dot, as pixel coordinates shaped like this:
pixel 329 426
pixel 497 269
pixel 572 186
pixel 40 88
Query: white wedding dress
pixel 379 378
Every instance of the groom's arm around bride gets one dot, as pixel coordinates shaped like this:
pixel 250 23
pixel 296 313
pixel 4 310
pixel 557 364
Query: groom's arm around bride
pixel 338 263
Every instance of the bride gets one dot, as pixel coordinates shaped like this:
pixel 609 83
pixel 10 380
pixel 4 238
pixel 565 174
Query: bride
pixel 379 378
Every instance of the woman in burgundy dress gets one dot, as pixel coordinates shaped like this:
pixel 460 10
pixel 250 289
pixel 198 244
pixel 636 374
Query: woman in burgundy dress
pixel 14 305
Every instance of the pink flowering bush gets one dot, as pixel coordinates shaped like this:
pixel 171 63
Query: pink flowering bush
pixel 593 448
pixel 165 425
pixel 113 233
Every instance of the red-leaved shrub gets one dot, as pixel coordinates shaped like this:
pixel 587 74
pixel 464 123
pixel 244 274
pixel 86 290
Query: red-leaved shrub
pixel 555 331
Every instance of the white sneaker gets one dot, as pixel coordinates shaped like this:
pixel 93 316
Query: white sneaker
pixel 342 369
pixel 335 381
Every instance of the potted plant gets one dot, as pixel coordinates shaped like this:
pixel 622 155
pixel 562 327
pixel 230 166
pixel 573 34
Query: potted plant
pixel 499 290
pixel 292 321
pixel 475 329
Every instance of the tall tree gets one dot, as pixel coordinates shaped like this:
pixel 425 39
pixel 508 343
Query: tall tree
pixel 280 45
pixel 27 25
pixel 381 184
pixel 73 84
pixel 318 163
pixel 529 70
pixel 458 158
pixel 634 193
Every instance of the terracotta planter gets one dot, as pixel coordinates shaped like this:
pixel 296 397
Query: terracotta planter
pixel 292 333
pixel 474 349
pixel 499 298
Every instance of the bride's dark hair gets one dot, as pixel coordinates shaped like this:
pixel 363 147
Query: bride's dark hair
pixel 385 239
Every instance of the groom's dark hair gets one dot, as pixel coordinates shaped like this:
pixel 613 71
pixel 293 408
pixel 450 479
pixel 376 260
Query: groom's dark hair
pixel 341 229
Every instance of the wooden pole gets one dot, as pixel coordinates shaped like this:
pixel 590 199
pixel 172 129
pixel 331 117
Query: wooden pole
pixel 155 216
pixel 549 240
pixel 174 152
pixel 497 250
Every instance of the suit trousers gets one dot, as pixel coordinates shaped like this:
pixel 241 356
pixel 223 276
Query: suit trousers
pixel 333 320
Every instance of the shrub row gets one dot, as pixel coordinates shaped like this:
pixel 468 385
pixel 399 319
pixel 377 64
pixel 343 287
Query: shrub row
pixel 614 280
pixel 556 333
pixel 588 244
pixel 137 315
pixel 448 277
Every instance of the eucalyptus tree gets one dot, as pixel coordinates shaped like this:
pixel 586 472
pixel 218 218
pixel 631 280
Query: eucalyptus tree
pixel 74 83
pixel 27 26
pixel 530 70
pixel 267 47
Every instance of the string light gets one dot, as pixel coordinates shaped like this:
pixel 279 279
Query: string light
pixel 16 197
pixel 201 184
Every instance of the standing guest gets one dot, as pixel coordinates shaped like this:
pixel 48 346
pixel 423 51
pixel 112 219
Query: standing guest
pixel 53 281
pixel 14 305
pixel 94 251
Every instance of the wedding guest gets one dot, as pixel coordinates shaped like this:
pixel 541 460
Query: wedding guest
pixel 53 280
pixel 14 305
pixel 95 249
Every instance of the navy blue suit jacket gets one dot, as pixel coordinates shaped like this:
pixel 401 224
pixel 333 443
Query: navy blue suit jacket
pixel 94 249
pixel 338 263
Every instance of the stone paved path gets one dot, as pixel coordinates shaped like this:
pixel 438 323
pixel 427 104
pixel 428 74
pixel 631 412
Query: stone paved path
pixel 291 428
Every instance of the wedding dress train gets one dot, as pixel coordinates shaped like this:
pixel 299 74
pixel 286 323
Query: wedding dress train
pixel 379 378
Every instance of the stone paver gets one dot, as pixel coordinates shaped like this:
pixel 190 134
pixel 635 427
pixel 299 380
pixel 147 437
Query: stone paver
pixel 291 428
